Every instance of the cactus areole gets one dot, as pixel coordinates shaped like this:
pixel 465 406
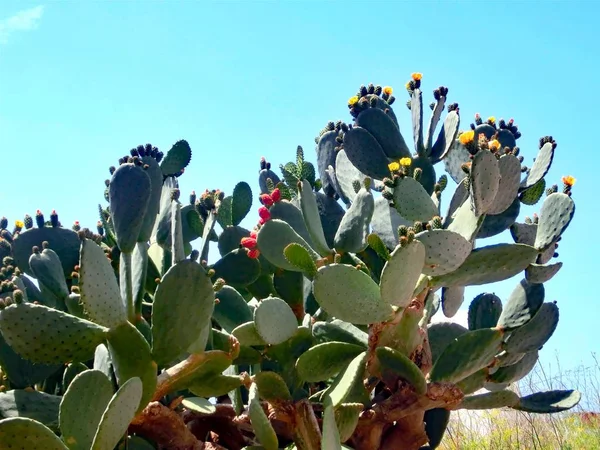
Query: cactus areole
pixel 314 329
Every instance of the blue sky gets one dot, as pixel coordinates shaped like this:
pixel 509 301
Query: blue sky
pixel 83 82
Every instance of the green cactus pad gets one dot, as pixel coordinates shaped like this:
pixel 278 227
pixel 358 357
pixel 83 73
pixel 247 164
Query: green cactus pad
pixel 452 299
pixel 286 211
pixel 515 372
pixel 378 246
pixel 28 434
pixel 45 335
pixel 474 382
pixel 103 361
pixel 484 311
pixel 230 239
pixel 446 137
pixel 445 251
pixel 87 397
pixel 385 131
pixel 131 358
pixel 72 370
pixel 224 213
pixel 365 153
pixel 177 244
pixel 468 353
pixel 326 155
pixel 354 228
pixel 401 366
pixel 63 241
pixel 465 222
pixel 523 233
pixel 331 214
pixel 275 321
pixel 489 264
pixel 237 268
pixel 346 419
pixel 508 359
pixel 441 334
pixel 241 202
pixel 401 273
pixel 331 434
pixel 523 303
pixel 22 372
pixel 260 422
pixel 454 159
pixel 510 177
pixel 385 222
pixel 549 402
pixel 263 176
pixel 540 166
pixel 346 174
pixel 231 310
pixel 272 388
pixel 413 202
pixel 118 415
pixel 47 268
pixel 436 421
pixel 338 330
pixel 156 180
pixel 534 334
pixel 493 225
pixel 198 405
pixel 312 218
pixel 484 181
pixel 490 400
pixel 538 273
pixel 416 109
pixel 129 194
pixel 326 360
pixel 274 236
pixel 176 159
pixel 214 385
pixel 349 294
pixel 533 194
pixel 248 335
pixel 100 293
pixel 33 405
pixel 299 257
pixel 290 286
pixel 176 325
pixel 555 215
pixel 436 115
pixel 347 380
pixel 460 195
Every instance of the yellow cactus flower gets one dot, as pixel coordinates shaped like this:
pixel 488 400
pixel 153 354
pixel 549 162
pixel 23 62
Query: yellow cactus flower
pixel 405 162
pixel 569 180
pixel 467 137
pixel 416 76
pixel 353 100
pixel 407 85
pixel 494 145
pixel 388 90
pixel 491 120
pixel 394 166
pixel 19 224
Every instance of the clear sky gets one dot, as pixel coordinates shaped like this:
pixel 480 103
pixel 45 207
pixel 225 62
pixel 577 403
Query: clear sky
pixel 83 82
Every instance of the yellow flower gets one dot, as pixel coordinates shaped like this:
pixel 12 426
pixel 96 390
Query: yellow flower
pixel 494 145
pixel 394 166
pixel 492 119
pixel 405 162
pixel 569 180
pixel 467 137
pixel 407 85
pixel 417 76
pixel 19 224
pixel 388 90
pixel 353 100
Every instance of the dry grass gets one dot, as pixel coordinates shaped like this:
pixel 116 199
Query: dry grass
pixel 507 429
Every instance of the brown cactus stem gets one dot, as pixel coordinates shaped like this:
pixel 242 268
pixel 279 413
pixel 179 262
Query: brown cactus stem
pixel 407 434
pixel 307 434
pixel 165 427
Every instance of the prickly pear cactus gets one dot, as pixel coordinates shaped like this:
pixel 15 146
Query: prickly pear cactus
pixel 313 329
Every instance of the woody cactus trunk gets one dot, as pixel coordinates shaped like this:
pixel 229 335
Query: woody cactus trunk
pixel 311 331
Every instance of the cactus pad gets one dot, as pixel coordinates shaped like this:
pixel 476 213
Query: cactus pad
pixel 82 408
pixel 401 366
pixel 549 402
pixel 385 222
pixel 515 372
pixel 349 294
pixel 176 159
pixel 275 321
pixel 45 335
pixel 510 177
pixel 47 268
pixel 177 324
pixel 446 137
pixel 346 174
pixel 32 405
pixel 495 224
pixel 287 211
pixel 274 236
pixel 401 273
pixel 441 334
pixel 237 268
pixel 338 330
pixel 445 251
pixel 484 181
pixel 535 333
pixel 555 215
pixel 385 132
pixel 484 311
pixel 22 433
pixel 347 380
pixel 354 228
pixel 468 353
pixel 538 273
pixel 299 256
pixel 365 153
pixel 326 156
pixel 260 422
pixel 413 202
pixel 231 310
pixel 272 388
pixel 455 158
pixel 312 218
pixel 241 202
pixel 523 303
pixel 540 166
pixel 465 222
pixel 490 400
pixel 452 299
pixel 324 361
pixel 100 293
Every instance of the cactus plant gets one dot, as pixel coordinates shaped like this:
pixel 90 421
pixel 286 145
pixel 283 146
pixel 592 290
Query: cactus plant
pixel 312 330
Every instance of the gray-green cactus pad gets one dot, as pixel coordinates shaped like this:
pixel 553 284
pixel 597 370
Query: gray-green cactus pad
pixel 555 215
pixel 445 250
pixel 413 202
pixel 401 273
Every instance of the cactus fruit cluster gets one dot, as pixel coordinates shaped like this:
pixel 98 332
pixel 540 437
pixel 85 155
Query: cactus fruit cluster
pixel 311 331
